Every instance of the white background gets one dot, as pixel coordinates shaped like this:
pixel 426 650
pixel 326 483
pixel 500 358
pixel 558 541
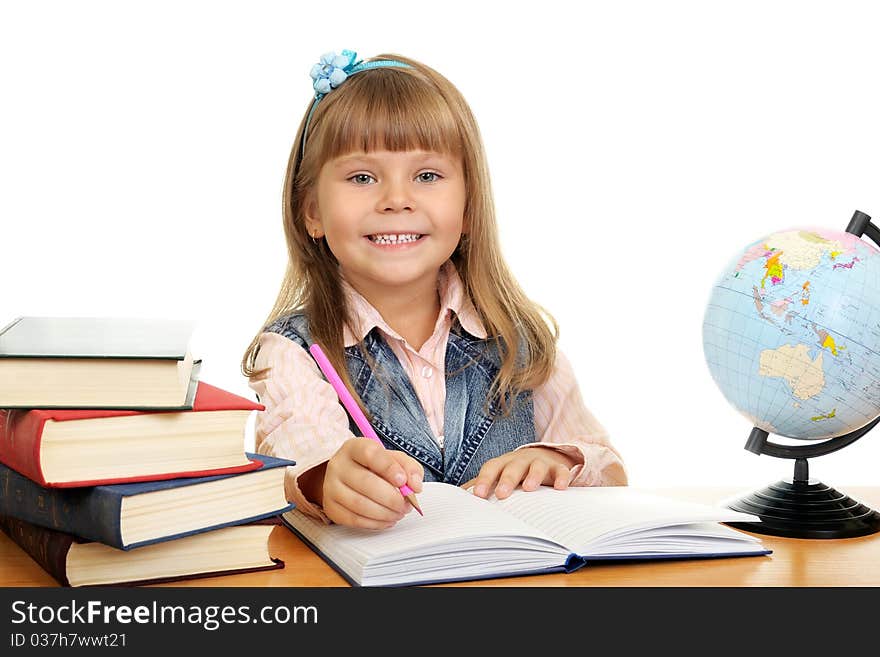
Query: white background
pixel 634 148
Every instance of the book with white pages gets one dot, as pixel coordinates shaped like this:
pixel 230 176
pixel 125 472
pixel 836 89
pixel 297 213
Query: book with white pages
pixel 464 537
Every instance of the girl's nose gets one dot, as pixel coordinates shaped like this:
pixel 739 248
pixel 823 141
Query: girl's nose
pixel 395 197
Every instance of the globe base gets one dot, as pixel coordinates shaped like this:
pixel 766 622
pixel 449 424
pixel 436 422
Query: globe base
pixel 805 509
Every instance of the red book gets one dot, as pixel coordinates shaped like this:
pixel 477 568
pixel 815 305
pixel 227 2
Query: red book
pixel 75 447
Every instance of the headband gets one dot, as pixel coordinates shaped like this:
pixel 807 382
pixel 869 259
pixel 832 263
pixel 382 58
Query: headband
pixel 335 69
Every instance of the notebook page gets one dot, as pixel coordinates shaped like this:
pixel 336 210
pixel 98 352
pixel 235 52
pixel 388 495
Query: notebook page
pixel 454 521
pixel 583 517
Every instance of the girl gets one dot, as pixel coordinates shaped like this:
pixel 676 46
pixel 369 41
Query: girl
pixel 395 270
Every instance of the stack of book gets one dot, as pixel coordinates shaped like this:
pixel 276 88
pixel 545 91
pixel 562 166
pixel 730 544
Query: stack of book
pixel 118 466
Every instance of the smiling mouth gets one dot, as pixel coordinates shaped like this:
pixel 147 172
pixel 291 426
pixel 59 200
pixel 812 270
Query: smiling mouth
pixel 395 238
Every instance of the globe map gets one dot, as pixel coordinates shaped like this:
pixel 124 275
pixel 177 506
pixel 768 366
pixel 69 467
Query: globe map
pixel 791 333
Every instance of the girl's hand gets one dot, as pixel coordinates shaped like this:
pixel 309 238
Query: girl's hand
pixel 362 482
pixel 531 467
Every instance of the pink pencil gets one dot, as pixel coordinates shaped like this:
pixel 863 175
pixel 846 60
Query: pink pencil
pixel 355 411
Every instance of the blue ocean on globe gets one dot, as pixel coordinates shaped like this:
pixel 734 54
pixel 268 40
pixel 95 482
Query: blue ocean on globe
pixel 791 333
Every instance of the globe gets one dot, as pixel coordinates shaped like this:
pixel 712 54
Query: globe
pixel 791 333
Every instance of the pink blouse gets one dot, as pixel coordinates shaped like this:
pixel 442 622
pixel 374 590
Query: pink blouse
pixel 304 421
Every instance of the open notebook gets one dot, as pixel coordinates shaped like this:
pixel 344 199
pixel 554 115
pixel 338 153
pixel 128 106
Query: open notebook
pixel 464 537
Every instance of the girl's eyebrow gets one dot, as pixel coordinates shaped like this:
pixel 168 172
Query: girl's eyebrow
pixel 352 159
pixel 348 160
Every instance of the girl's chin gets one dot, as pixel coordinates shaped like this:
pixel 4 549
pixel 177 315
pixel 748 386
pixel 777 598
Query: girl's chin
pixel 392 274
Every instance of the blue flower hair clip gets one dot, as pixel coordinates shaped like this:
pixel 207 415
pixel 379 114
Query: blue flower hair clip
pixel 332 70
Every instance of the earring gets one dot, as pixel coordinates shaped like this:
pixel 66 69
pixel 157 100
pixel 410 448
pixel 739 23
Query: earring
pixel 314 237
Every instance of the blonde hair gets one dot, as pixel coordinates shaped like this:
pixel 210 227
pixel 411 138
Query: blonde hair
pixel 400 109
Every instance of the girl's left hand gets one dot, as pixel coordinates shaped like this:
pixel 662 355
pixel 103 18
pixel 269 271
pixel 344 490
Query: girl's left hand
pixel 532 467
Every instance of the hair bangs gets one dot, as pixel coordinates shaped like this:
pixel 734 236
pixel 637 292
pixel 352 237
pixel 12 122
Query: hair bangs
pixel 389 110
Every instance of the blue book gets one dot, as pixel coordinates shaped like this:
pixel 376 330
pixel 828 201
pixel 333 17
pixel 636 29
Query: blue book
pixel 127 516
pixel 464 537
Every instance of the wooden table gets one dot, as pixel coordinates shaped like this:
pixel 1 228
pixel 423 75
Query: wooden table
pixel 793 563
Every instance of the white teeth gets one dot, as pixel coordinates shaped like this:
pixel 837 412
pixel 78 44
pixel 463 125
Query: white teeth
pixel 394 239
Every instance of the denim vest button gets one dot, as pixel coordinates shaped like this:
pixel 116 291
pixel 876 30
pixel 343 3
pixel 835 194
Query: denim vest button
pixel 427 372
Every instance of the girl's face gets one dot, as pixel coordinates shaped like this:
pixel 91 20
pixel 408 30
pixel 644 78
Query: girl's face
pixel 390 218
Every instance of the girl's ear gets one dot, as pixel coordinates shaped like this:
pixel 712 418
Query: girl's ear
pixel 313 218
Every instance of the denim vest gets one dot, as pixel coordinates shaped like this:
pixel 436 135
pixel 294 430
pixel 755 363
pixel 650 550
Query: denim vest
pixel 471 436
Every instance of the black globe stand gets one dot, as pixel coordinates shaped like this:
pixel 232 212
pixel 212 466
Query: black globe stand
pixel 804 507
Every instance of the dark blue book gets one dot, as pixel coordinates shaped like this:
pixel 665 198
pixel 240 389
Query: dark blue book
pixel 132 515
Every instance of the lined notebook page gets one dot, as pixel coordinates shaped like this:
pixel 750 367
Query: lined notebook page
pixel 452 517
pixel 581 518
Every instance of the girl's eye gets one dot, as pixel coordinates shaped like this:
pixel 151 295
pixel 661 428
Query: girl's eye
pixel 365 178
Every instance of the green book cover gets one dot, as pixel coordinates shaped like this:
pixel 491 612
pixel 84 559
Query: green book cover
pixel 97 362
pixel 95 337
